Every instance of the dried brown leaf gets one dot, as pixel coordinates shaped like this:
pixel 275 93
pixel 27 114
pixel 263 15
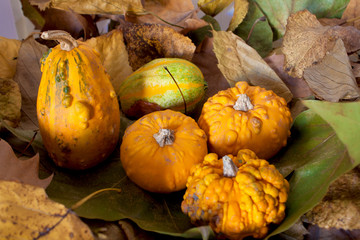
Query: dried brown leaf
pixel 113 55
pixel 306 41
pixel 192 24
pixel 351 12
pixel 240 62
pixel 206 60
pixel 28 76
pixel 171 13
pixel 9 49
pixel 145 42
pixel 91 6
pixel 211 7
pixel 79 26
pixel 298 86
pixel 24 171
pixel 332 78
pixel 241 8
pixel 27 213
pixel 340 208
pixel 10 102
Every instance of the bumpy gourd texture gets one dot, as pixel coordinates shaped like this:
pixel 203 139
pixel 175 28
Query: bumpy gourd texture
pixel 240 206
pixel 153 84
pixel 162 169
pixel 77 108
pixel 264 129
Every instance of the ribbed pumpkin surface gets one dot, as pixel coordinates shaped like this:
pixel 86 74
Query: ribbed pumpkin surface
pixel 153 84
pixel 77 108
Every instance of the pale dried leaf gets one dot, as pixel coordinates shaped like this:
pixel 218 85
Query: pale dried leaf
pixel 211 7
pixel 306 41
pixel 171 13
pixel 24 171
pixel 10 102
pixel 92 6
pixel 9 49
pixel 332 78
pixel 239 62
pixel 298 86
pixel 28 76
pixel 340 208
pixel 27 213
pixel 113 55
pixel 145 42
pixel 241 8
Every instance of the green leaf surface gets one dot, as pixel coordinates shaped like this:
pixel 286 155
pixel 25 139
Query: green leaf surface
pixel 261 37
pixel 317 155
pixel 278 11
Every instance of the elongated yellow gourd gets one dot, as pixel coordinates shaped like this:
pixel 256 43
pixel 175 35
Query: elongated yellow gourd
pixel 77 107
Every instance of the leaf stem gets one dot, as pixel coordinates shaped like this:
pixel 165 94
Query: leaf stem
pixel 82 201
pixel 260 19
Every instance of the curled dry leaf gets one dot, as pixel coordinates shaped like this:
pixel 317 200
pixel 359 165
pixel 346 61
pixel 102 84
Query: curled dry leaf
pixel 145 42
pixel 241 8
pixel 332 78
pixel 24 171
pixel 239 62
pixel 27 213
pixel 113 55
pixel 171 13
pixel 10 102
pixel 9 49
pixel 340 207
pixel 306 41
pixel 91 6
pixel 28 76
pixel 211 7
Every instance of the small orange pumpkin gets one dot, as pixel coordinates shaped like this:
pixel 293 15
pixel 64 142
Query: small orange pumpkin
pixel 238 196
pixel 246 117
pixel 159 149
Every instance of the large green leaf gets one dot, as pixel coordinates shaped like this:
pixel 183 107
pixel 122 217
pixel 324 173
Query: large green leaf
pixel 317 154
pixel 261 37
pixel 277 11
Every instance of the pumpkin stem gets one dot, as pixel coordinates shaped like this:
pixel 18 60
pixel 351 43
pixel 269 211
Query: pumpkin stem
pixel 243 103
pixel 229 167
pixel 164 137
pixel 67 42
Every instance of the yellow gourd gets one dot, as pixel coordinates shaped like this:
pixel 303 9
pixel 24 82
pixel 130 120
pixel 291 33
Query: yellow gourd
pixel 246 117
pixel 77 107
pixel 159 149
pixel 238 196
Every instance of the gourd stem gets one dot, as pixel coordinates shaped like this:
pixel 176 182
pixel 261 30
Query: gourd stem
pixel 243 103
pixel 67 42
pixel 229 167
pixel 164 137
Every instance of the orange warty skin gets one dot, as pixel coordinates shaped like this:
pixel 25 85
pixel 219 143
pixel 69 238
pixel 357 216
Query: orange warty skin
pixel 156 168
pixel 77 108
pixel 263 129
pixel 240 206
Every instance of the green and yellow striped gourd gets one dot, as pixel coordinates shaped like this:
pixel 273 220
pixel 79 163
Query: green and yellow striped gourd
pixel 151 87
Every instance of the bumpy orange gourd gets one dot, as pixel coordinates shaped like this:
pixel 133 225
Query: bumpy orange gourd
pixel 77 107
pixel 159 149
pixel 246 117
pixel 238 196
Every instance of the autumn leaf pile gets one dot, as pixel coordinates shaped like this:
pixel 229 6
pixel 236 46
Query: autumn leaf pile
pixel 307 53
